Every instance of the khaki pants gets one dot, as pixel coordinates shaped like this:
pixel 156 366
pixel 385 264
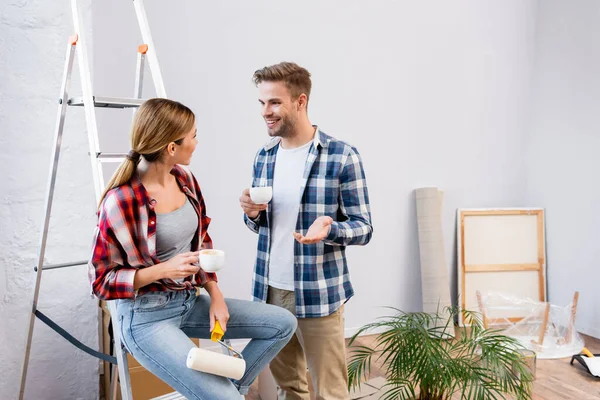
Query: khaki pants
pixel 318 342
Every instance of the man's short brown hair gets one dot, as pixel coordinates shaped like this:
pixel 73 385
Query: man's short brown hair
pixel 295 78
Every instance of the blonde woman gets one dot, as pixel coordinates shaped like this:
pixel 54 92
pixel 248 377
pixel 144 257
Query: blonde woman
pixel 151 224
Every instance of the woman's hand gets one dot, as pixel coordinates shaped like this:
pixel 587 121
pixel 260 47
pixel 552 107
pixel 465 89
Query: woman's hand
pixel 218 312
pixel 179 266
pixel 218 309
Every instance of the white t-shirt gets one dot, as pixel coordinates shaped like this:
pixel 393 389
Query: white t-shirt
pixel 287 179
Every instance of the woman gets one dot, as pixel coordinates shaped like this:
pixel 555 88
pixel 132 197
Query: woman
pixel 151 224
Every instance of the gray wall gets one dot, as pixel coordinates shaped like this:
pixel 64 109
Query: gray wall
pixel 33 41
pixel 563 161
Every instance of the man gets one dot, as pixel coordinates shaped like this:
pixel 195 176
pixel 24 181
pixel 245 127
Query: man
pixel 320 199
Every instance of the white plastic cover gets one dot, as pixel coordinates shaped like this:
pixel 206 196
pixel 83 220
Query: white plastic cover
pixel 523 319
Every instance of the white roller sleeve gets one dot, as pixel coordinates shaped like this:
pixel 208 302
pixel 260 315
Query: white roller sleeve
pixel 215 363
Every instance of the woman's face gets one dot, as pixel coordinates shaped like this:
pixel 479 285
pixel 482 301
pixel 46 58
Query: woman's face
pixel 184 151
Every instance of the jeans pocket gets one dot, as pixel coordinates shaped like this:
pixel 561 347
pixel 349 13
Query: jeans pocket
pixel 151 302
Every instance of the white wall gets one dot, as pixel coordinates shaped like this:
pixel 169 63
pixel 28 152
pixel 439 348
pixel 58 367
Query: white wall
pixel 33 41
pixel 430 95
pixel 563 160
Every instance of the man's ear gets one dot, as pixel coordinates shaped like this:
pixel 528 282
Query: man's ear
pixel 302 100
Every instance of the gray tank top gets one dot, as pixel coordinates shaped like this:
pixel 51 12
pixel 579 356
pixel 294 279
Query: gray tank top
pixel 175 231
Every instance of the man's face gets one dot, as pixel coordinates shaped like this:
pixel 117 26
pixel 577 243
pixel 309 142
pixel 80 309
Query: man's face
pixel 278 109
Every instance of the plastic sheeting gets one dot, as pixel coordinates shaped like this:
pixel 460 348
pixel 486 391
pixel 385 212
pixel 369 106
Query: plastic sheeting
pixel 525 320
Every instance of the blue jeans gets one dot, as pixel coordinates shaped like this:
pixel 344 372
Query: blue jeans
pixel 156 328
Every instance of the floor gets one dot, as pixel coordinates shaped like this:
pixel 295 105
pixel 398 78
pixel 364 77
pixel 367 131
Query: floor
pixel 555 379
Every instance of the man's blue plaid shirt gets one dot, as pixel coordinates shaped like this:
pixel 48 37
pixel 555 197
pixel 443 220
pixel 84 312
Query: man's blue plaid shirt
pixel 334 185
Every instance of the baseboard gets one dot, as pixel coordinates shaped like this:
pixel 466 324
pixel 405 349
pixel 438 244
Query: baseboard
pixel 593 332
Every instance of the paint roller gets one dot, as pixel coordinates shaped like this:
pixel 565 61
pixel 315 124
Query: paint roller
pixel 590 361
pixel 215 363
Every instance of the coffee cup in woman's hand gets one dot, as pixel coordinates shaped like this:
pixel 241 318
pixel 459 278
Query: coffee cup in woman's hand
pixel 211 260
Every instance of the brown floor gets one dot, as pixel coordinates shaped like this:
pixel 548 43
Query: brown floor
pixel 555 379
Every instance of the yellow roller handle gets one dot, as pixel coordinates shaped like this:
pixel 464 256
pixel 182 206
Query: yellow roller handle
pixel 217 333
pixel 587 353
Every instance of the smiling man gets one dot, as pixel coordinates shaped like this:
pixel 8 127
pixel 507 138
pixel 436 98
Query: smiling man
pixel 320 205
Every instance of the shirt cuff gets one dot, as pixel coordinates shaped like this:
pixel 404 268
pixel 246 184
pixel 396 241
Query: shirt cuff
pixel 124 278
pixel 334 231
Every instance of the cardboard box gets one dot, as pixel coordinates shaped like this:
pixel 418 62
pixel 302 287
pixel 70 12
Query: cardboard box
pixel 144 385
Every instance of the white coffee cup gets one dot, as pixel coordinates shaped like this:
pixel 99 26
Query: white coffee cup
pixel 211 260
pixel 261 194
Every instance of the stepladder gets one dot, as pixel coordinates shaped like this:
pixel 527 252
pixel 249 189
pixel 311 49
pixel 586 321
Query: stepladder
pixel 76 47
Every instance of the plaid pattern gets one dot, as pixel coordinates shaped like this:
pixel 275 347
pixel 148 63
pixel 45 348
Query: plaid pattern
pixel 125 239
pixel 334 185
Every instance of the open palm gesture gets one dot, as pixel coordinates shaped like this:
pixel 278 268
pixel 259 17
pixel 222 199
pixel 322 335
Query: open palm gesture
pixel 317 231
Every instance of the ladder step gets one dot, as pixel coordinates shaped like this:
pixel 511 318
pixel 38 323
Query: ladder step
pixel 110 157
pixel 107 102
pixel 63 265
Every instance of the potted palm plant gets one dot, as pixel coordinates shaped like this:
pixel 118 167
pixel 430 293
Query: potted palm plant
pixel 423 359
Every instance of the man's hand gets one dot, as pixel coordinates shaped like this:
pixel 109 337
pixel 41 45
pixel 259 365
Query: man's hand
pixel 317 231
pixel 250 208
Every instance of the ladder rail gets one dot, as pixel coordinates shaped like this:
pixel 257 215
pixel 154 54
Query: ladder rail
pixel 58 133
pixel 119 351
pixel 88 98
pixel 159 85
pixel 139 72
